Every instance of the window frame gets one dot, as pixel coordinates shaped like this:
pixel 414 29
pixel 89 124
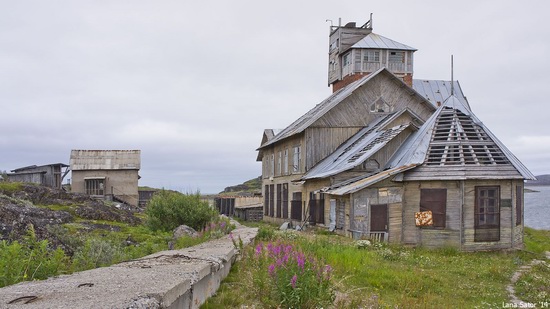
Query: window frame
pixel 296 160
pixel 487 230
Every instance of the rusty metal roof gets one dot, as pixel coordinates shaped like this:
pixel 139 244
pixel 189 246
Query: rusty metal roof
pixel 373 40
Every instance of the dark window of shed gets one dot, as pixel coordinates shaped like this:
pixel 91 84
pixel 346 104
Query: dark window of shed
pixel 519 204
pixel 487 214
pixel 435 200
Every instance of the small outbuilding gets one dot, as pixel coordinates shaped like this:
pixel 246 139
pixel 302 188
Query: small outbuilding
pixel 106 174
pixel 50 175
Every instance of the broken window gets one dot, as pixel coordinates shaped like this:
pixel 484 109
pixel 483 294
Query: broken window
pixel 380 106
pixel 397 56
pixel 435 200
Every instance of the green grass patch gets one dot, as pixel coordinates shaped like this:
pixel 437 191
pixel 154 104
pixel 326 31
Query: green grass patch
pixel 379 275
pixel 9 188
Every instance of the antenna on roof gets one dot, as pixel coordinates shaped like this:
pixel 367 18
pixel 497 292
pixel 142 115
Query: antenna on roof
pixel 452 79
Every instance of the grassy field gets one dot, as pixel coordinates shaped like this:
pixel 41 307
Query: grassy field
pixel 387 276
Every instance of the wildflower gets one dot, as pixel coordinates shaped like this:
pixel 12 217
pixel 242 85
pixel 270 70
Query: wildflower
pixel 231 236
pixel 271 269
pixel 293 281
pixel 258 249
pixel 222 225
pixel 301 260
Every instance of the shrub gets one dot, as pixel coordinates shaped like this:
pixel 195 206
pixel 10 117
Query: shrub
pixel 168 210
pixel 29 259
pixel 97 253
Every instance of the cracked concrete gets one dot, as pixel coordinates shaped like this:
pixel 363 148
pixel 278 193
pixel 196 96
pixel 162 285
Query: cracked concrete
pixel 169 279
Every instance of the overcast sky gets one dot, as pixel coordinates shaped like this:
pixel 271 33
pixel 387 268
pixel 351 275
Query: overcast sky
pixel 192 84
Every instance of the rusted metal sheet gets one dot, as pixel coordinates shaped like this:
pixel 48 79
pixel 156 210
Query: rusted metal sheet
pixel 424 218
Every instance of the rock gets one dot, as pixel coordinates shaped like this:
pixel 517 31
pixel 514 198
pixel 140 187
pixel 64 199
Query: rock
pixel 285 226
pixel 184 230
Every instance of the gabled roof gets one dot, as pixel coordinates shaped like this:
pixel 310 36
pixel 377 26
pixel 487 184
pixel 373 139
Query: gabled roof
pixel 358 148
pixel 325 106
pixel 373 40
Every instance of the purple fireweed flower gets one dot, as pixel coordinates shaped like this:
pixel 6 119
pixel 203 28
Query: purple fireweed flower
pixel 231 236
pixel 288 249
pixel 293 281
pixel 270 247
pixel 259 249
pixel 271 269
pixel 286 257
pixel 222 224
pixel 301 260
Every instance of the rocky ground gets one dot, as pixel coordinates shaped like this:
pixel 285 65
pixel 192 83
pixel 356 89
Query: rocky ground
pixel 45 208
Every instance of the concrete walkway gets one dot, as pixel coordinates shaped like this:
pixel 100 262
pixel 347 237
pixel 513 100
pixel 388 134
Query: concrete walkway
pixel 168 279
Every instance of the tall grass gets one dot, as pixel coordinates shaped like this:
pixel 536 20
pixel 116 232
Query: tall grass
pixel 378 275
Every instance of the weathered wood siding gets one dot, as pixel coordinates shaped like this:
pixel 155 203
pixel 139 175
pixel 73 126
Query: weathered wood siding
pixel 426 236
pixel 385 193
pixel 321 142
pixel 459 231
pixel 462 172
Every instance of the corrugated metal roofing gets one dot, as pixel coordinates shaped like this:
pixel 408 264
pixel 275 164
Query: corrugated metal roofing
pixel 373 40
pixel 437 91
pixel 356 150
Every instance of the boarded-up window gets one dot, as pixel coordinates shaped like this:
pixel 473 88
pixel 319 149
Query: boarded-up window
pixel 285 200
pixel 296 206
pixel 316 208
pixel 271 200
pixel 266 200
pixel 435 200
pixel 519 205
pixel 279 200
pixel 487 214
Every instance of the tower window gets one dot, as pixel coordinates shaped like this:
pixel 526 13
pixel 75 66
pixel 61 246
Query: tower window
pixel 371 56
pixel 397 56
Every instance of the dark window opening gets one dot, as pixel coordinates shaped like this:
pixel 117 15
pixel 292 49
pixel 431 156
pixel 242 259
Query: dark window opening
pixel 435 200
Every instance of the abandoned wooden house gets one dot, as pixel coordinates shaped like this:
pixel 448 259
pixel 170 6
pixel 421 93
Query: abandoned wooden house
pixel 50 175
pixel 106 174
pixel 393 158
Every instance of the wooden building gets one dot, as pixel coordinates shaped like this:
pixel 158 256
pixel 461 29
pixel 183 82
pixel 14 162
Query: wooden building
pixel 106 174
pixel 393 158
pixel 50 175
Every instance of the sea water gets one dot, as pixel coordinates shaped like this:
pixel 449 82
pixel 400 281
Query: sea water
pixel 537 207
